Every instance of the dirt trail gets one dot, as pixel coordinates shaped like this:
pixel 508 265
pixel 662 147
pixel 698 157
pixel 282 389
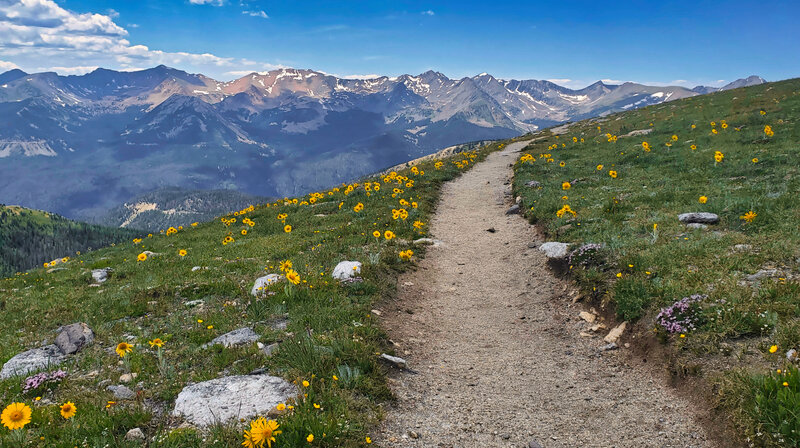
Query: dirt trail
pixel 496 346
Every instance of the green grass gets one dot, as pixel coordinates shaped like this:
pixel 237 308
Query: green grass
pixel 644 268
pixel 331 330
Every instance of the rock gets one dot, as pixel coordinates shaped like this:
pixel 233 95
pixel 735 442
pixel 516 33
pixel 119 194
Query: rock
pixel 638 132
pixel 196 268
pixel 73 338
pixel 194 303
pixel 513 210
pixel 231 398
pixel 534 444
pixel 608 347
pixel 263 282
pixel 135 434
pixel 122 392
pixel 240 336
pixel 791 355
pixel 491 230
pixel 428 241
pixel 100 275
pixel 698 218
pixel 533 184
pixel 615 333
pixel 269 349
pixel 128 377
pixel 554 250
pixel 762 273
pixel 742 247
pixel 346 270
pixel 398 362
pixel 696 225
pixel 32 361
pixel 587 316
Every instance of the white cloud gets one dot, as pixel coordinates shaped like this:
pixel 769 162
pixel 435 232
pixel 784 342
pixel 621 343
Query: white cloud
pixel 79 70
pixel 32 31
pixel 207 2
pixel 261 14
pixel 6 66
pixel 428 13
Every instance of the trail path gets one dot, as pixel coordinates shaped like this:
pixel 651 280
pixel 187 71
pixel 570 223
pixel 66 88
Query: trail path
pixel 496 346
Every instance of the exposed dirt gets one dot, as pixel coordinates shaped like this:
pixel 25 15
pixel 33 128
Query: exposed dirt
pixel 495 342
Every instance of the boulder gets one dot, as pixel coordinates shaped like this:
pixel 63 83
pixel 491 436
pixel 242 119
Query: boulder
pixel 263 282
pixel 513 210
pixel 100 275
pixel 554 250
pixel 346 270
pixel 122 392
pixel 32 361
pixel 698 218
pixel 73 338
pixel 231 398
pixel 241 336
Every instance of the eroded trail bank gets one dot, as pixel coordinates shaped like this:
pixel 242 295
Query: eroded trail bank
pixel 495 343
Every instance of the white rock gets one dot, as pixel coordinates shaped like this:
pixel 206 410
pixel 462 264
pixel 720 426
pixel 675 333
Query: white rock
pixel 241 336
pixel 555 250
pixel 791 355
pixel 346 269
pixel 32 361
pixel 134 435
pixel 698 217
pixel 100 275
pixel 263 282
pixel 231 398
pixel 196 268
pixel 587 316
pixel 615 333
pixel 399 362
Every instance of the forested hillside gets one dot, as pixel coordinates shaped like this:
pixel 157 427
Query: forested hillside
pixel 29 238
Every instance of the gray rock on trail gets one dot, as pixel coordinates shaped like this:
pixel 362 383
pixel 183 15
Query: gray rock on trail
pixel 398 362
pixel 240 336
pixel 122 392
pixel 698 218
pixel 263 282
pixel 100 275
pixel 346 270
pixel 231 398
pixel 73 338
pixel 32 361
pixel 553 250
pixel 513 210
pixel 135 434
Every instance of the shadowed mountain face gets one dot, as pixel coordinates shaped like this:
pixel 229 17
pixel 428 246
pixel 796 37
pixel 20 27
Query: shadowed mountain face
pixel 81 145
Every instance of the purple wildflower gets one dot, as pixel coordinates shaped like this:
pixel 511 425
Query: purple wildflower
pixel 680 317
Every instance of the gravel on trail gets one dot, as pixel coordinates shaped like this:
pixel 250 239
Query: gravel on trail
pixel 494 349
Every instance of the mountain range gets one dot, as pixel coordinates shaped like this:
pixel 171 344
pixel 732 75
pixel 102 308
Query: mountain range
pixel 83 145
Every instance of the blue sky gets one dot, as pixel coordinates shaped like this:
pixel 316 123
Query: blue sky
pixel 573 42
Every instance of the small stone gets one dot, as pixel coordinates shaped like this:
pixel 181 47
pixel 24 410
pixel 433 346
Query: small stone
pixel 100 275
pixel 428 242
pixel 413 435
pixel 196 268
pixel 240 336
pixel 513 210
pixel 122 392
pixel 398 362
pixel 268 350
pixel 376 312
pixel 262 282
pixel 491 230
pixel 134 435
pixel 587 316
pixel 698 218
pixel 791 355
pixel 534 444
pixel 762 273
pixel 615 333
pixel 533 184
pixel 128 377
pixel 742 247
pixel 696 226
pixel 73 338
pixel 194 303
pixel 345 270
pixel 555 250
pixel 609 346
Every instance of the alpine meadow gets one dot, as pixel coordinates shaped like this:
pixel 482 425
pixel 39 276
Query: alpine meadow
pixel 407 225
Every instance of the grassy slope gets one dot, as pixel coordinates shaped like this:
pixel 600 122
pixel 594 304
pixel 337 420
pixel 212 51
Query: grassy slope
pixel 330 330
pixel 641 270
pixel 29 238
